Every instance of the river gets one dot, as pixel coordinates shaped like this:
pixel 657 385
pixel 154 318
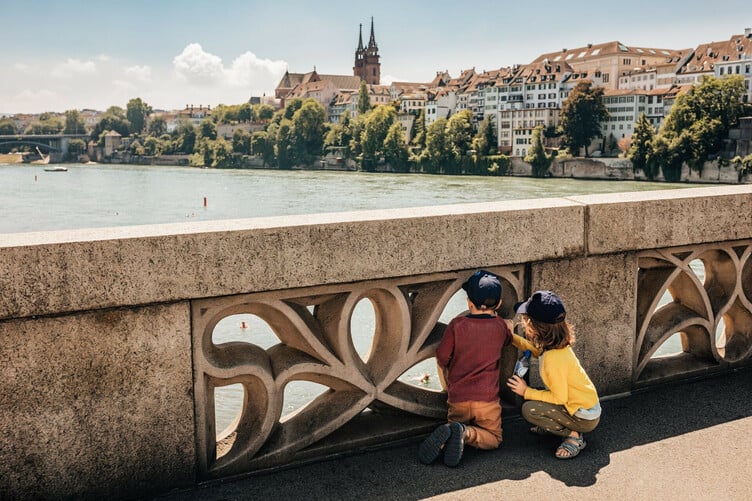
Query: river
pixel 91 196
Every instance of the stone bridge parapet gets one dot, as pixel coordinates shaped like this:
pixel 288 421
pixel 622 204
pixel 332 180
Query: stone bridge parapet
pixel 111 369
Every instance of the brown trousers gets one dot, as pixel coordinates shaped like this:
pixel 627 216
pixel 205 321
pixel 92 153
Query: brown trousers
pixel 482 422
pixel 555 419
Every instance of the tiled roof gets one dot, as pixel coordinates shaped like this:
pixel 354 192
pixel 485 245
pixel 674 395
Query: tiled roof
pixel 707 55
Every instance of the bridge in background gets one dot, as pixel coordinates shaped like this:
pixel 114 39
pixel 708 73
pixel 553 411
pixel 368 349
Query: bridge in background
pixel 54 144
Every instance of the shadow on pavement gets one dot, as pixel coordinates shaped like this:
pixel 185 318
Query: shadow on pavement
pixel 395 473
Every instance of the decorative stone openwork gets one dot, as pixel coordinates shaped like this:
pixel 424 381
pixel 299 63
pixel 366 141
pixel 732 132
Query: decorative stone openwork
pixel 721 303
pixel 364 404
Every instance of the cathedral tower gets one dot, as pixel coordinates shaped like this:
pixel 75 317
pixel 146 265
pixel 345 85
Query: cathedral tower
pixel 367 65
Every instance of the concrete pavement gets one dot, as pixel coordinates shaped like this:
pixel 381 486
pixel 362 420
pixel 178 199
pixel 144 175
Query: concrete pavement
pixel 681 441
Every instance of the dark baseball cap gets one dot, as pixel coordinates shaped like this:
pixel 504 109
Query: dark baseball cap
pixel 483 288
pixel 543 306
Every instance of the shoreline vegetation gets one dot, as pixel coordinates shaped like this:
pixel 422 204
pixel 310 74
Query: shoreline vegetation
pixel 704 138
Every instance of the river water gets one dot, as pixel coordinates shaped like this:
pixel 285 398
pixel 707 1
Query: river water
pixel 90 196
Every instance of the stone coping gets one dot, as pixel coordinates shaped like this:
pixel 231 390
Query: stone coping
pixel 62 271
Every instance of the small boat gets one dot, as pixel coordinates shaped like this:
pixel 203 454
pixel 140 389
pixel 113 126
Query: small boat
pixel 56 168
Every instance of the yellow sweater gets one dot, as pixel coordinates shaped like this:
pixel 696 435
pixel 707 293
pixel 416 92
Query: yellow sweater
pixel 566 380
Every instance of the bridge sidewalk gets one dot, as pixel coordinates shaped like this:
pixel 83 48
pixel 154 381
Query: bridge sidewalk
pixel 683 441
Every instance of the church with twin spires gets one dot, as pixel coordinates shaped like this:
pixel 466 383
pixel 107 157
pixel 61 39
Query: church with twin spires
pixel 367 67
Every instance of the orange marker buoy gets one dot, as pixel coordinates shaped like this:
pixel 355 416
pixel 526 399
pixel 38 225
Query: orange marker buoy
pixel 35 178
pixel 204 201
pixel 243 325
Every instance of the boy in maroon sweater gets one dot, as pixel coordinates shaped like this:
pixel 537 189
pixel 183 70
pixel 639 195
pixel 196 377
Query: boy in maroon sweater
pixel 469 354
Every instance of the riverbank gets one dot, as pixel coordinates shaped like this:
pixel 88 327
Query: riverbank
pixel 592 168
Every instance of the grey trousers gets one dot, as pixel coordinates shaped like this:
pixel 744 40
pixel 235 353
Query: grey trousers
pixel 555 419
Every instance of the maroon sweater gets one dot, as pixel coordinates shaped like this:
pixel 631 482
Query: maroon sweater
pixel 471 350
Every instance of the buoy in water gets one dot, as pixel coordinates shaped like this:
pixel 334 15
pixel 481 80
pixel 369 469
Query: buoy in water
pixel 204 201
pixel 243 325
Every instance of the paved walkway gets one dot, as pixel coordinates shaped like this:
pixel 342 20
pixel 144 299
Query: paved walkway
pixel 689 441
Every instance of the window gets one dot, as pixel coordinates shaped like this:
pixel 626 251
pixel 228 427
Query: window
pixel 605 77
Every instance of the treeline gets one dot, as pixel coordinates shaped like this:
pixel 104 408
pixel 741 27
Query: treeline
pixel 694 132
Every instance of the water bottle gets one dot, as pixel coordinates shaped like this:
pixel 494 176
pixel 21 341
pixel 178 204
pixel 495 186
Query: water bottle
pixel 523 364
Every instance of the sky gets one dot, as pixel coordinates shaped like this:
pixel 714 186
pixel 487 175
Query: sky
pixel 57 55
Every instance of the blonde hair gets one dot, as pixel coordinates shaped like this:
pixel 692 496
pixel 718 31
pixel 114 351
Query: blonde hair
pixel 548 336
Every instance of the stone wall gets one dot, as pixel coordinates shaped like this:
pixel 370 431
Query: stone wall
pixel 109 366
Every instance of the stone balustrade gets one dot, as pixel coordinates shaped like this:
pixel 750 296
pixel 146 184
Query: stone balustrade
pixel 111 370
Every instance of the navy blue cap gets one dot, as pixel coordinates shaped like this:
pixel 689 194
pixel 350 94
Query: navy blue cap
pixel 543 306
pixel 483 288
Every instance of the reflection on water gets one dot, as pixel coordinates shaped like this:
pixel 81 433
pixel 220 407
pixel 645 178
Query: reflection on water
pixel 90 196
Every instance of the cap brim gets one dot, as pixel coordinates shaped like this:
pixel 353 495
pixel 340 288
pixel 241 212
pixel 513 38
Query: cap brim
pixel 521 307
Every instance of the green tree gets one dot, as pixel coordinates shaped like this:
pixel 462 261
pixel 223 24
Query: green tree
pixel 47 123
pixel 419 130
pixel 221 153
pixel 136 113
pixel 7 127
pixel 705 114
pixel 245 113
pixel 308 126
pixel 485 142
pixel 537 157
pixel 153 146
pixel 436 153
pixel 184 137
pixel 263 112
pixel 395 148
pixel 74 123
pixel 582 114
pixel 377 124
pixel 157 126
pixel 364 99
pixel 459 135
pixel 284 148
pixel 112 120
pixel 208 129
pixel 263 146
pixel 241 142
pixel 642 141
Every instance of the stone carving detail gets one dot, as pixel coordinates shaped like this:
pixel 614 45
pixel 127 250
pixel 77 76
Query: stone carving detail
pixel 313 327
pixel 696 310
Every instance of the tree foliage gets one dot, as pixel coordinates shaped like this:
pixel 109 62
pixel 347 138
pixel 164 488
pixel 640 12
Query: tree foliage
pixel 485 141
pixel 642 142
pixel 136 113
pixel 582 114
pixel 395 148
pixel 364 99
pixel 74 123
pixel 7 127
pixel 377 124
pixel 308 130
pixel 537 157
pixel 704 116
pixel 112 120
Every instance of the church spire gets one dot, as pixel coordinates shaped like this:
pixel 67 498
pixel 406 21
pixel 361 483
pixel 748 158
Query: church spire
pixel 372 41
pixel 360 38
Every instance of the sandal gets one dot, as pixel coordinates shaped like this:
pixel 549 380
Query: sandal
pixel 538 430
pixel 572 446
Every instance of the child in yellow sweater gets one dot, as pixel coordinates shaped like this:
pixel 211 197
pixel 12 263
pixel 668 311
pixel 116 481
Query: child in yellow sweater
pixel 569 406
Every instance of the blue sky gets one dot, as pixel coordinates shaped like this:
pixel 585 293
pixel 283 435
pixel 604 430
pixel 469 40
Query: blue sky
pixel 64 54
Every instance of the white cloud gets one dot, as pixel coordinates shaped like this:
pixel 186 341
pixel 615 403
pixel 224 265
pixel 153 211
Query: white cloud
pixel 21 67
pixel 142 73
pixel 103 58
pixel 197 66
pixel 74 67
pixel 250 71
pixel 247 71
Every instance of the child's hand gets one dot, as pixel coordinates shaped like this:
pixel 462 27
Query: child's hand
pixel 517 385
